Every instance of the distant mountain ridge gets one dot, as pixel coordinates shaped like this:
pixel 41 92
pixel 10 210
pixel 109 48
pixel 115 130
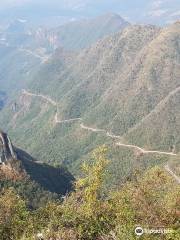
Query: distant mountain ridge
pixel 85 32
pixel 25 49
pixel 81 34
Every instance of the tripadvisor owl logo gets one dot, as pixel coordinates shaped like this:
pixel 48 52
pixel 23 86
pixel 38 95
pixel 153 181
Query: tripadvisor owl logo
pixel 139 231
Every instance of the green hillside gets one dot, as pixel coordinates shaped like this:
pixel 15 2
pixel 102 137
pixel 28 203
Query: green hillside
pixel 126 84
pixel 103 127
pixel 95 84
pixel 165 135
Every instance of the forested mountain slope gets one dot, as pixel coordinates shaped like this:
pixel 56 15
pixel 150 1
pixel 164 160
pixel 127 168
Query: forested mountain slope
pixel 126 84
pixel 141 63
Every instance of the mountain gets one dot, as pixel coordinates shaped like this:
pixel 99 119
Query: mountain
pixel 30 178
pixel 103 110
pixel 96 85
pixel 119 91
pixel 84 32
pixel 24 48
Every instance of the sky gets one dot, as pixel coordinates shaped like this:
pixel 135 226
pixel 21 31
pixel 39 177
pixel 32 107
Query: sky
pixel 141 11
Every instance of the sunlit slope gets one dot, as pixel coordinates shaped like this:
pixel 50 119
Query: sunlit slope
pixel 127 85
pixel 86 81
pixel 161 127
pixel 117 82
pixel 68 143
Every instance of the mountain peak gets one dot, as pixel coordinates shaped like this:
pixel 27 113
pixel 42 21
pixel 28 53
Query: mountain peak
pixel 114 17
pixel 87 32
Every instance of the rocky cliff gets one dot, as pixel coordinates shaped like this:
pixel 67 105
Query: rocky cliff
pixel 7 151
pixel 16 164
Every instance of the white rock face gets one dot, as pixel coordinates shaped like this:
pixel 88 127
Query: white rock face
pixel 6 148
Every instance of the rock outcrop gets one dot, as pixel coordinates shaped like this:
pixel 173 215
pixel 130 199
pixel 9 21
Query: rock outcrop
pixel 7 151
pixel 17 165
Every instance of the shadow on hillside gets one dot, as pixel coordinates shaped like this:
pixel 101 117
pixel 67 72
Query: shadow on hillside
pixel 56 180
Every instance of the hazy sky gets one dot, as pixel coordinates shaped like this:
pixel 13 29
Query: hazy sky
pixel 76 4
pixel 135 10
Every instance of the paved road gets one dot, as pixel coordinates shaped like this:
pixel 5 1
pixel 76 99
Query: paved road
pixel 42 58
pixel 65 121
pixel 48 99
pixel 145 151
pixel 91 129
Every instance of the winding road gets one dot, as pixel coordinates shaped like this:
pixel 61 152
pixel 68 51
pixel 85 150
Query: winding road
pixel 145 151
pixel 42 58
pixel 48 99
pixel 108 134
pixel 91 129
pixel 65 121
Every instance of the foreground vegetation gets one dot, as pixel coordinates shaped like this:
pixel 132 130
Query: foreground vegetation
pixel 89 213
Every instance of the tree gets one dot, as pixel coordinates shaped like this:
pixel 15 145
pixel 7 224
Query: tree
pixel 13 215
